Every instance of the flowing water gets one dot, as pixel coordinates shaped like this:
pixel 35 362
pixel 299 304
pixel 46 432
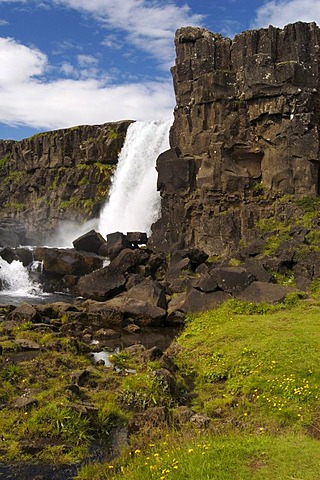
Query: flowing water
pixel 133 205
pixel 134 202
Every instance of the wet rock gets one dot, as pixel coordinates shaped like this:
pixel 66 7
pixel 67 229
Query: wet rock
pixel 8 254
pixel 137 238
pixel 67 261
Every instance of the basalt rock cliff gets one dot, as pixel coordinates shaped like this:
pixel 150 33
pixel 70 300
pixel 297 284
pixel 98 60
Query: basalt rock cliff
pixel 245 139
pixel 59 175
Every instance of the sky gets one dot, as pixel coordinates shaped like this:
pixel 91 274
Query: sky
pixel 76 62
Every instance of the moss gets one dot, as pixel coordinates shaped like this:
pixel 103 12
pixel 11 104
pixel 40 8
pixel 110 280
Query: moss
pixel 5 160
pixel 15 206
pixel 82 166
pixel 84 181
pixel 112 134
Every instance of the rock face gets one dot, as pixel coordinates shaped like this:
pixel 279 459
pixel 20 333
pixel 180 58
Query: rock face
pixel 245 132
pixel 59 175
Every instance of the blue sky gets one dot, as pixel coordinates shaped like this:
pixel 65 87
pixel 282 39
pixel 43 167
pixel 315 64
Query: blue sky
pixel 75 62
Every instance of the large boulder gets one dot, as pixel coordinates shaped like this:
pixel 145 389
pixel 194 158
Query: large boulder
pixel 232 279
pixel 89 242
pixel 259 292
pixel 101 284
pixel 141 311
pixel 116 242
pixel 67 261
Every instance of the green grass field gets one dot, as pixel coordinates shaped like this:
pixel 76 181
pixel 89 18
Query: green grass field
pixel 254 370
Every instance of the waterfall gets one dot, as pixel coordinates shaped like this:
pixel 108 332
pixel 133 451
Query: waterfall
pixel 134 203
pixel 15 279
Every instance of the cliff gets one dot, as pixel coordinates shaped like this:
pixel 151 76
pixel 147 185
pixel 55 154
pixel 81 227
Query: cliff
pixel 59 175
pixel 245 138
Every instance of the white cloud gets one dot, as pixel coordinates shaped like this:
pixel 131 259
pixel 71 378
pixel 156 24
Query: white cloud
pixel 281 12
pixel 3 22
pixel 28 99
pixel 18 62
pixel 149 26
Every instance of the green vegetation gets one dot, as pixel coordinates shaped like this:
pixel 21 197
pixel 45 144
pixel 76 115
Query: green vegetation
pixel 15 206
pixel 253 370
pixel 13 177
pixel 4 161
pixel 304 212
pixel 250 370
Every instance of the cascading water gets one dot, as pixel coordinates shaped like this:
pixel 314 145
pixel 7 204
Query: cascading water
pixel 15 280
pixel 134 203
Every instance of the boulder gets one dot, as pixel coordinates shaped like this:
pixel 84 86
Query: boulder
pixel 101 284
pixel 141 311
pixel 150 292
pixel 8 254
pixel 127 260
pixel 137 238
pixel 206 284
pixel 25 313
pixel 67 261
pixel 89 242
pixel 232 279
pixel 197 301
pixel 115 243
pixel 259 292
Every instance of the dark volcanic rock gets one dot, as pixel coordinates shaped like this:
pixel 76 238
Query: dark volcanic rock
pixel 89 242
pixel 137 238
pixel 8 255
pixel 67 261
pixel 232 279
pixel 259 292
pixel 245 132
pixel 56 176
pixel 102 284
pixel 116 242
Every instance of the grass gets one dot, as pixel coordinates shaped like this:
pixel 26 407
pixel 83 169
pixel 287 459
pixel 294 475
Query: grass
pixel 253 370
pixel 224 458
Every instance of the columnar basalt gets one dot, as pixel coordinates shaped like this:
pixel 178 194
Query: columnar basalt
pixel 59 175
pixel 245 132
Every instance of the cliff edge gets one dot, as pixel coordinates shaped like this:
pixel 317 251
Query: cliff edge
pixel 245 134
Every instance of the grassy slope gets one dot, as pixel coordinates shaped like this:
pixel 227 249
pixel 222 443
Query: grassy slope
pixel 255 372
